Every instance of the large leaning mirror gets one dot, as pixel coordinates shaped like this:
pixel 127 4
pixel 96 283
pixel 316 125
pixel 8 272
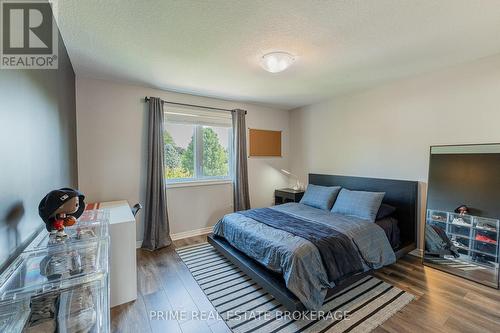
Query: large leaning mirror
pixel 463 211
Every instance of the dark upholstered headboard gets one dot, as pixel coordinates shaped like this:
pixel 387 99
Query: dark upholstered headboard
pixel 401 194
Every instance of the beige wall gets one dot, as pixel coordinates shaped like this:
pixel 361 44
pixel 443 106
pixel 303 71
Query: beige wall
pixel 111 130
pixel 386 131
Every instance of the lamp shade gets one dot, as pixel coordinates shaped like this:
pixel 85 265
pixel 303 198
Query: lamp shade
pixel 288 173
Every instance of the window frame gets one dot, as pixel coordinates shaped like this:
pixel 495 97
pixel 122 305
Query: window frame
pixel 199 179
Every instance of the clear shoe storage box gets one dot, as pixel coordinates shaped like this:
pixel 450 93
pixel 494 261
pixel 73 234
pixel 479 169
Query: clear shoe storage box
pixel 60 285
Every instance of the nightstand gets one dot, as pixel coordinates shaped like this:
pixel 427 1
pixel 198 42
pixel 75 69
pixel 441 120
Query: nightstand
pixel 285 195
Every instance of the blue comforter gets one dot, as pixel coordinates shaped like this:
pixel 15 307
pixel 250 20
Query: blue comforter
pixel 337 252
pixel 299 260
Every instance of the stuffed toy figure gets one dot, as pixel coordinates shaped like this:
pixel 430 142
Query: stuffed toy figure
pixel 462 210
pixel 60 208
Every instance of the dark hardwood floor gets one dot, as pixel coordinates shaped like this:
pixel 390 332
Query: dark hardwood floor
pixel 444 303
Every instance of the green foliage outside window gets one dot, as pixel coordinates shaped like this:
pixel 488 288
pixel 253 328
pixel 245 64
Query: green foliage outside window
pixel 173 156
pixel 187 160
pixel 179 162
pixel 215 157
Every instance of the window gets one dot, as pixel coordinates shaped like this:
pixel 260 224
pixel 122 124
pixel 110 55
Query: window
pixel 197 145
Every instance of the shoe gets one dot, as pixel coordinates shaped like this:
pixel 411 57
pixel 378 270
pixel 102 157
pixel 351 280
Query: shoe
pixel 438 218
pixel 486 227
pixel 460 221
pixel 486 239
pixel 459 245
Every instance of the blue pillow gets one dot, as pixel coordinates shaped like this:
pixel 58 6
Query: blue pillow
pixel 321 197
pixel 364 205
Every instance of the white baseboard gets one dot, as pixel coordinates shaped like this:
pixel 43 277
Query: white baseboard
pixel 191 233
pixel 184 234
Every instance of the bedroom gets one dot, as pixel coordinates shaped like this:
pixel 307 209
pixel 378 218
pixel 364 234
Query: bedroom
pixel 358 98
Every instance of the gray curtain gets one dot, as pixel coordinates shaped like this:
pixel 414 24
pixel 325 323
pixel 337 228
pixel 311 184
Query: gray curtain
pixel 156 228
pixel 240 168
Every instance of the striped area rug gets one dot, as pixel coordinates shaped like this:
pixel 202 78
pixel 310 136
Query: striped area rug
pixel 455 263
pixel 246 307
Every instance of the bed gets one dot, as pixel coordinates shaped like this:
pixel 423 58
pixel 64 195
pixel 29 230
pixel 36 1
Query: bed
pixel 293 269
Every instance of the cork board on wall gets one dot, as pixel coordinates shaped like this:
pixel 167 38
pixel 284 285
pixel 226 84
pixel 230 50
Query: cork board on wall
pixel 265 143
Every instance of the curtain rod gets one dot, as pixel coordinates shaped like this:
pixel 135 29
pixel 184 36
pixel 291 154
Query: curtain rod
pixel 146 99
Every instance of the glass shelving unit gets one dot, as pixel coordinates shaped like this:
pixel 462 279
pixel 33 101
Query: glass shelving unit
pixel 475 241
pixel 91 226
pixel 60 283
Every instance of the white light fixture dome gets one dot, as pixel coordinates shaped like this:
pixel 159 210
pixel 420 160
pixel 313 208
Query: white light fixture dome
pixel 276 62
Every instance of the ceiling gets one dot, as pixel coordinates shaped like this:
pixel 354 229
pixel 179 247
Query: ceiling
pixel 212 48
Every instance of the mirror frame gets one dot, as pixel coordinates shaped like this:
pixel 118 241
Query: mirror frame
pixel 424 219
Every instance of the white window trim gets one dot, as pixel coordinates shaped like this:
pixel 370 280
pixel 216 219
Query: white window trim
pixel 191 183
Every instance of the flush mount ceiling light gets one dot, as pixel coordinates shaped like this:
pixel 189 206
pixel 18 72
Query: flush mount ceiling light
pixel 275 62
